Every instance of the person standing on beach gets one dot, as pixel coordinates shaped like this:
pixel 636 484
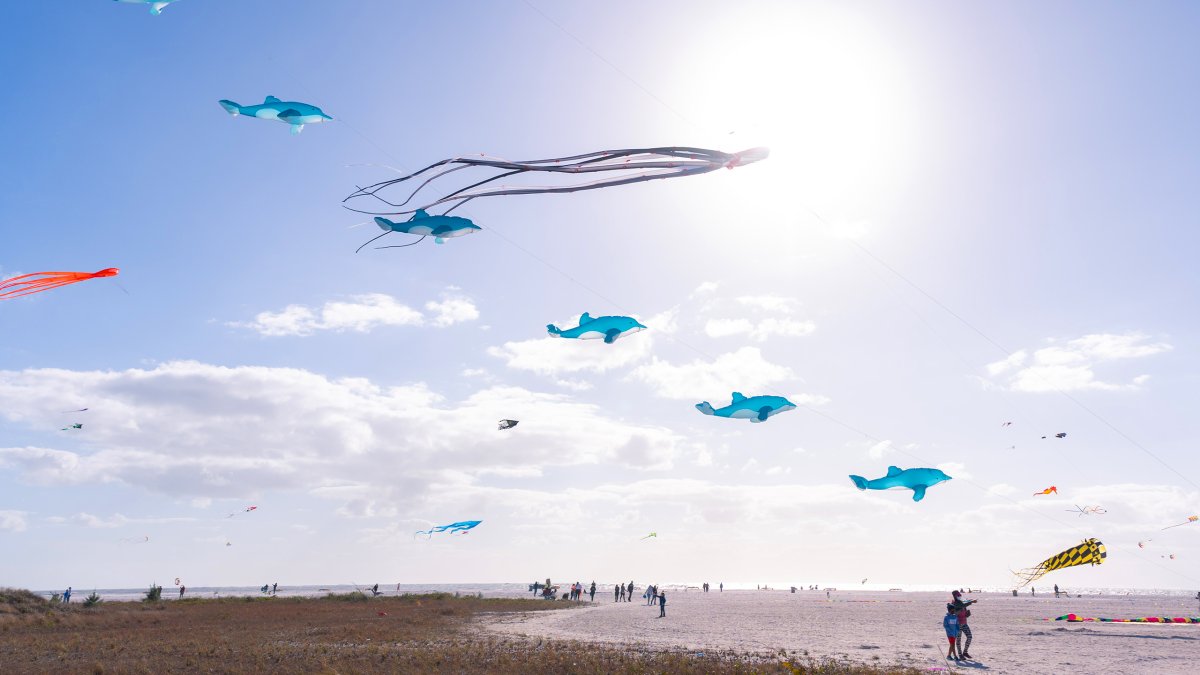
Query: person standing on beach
pixel 275 587
pixel 950 623
pixel 1056 590
pixel 181 590
pixel 617 593
pixel 67 595
pixel 629 593
pixel 722 587
pixel 592 591
pixel 962 613
pixel 662 605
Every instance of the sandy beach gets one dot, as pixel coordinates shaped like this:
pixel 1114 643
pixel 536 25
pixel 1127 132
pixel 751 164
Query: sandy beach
pixel 1010 634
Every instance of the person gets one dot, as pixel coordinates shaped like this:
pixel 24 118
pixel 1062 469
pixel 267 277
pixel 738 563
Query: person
pixel 1032 590
pixel 592 592
pixel 1056 590
pixel 962 613
pixel 662 604
pixel 275 587
pixel 622 589
pixel 263 589
pixel 536 587
pixel 181 590
pixel 67 595
pixel 950 623
pixel 722 587
pixel 617 593
pixel 629 594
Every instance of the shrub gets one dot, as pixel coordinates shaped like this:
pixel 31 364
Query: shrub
pixel 154 594
pixel 92 600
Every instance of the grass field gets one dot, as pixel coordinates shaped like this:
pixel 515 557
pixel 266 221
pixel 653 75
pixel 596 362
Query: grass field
pixel 336 634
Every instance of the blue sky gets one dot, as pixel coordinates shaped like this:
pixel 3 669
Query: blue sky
pixel 1028 167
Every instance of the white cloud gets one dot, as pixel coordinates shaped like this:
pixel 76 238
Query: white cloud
pixel 556 356
pixel 193 430
pixel 769 303
pixel 744 370
pixel 12 521
pixel 880 449
pixel 761 330
pixel 1070 366
pixel 954 470
pixel 362 313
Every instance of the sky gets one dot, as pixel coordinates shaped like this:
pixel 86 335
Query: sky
pixel 971 215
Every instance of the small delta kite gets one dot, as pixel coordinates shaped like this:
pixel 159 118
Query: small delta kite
pixel 1090 552
pixel 1047 491
pixel 36 282
pixel 652 534
pixel 507 424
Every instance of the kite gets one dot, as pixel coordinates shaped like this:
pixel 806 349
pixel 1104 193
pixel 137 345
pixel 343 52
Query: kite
pixel 37 282
pixel 917 480
pixel 1047 491
pixel 1088 510
pixel 248 509
pixel 507 424
pixel 1061 434
pixel 289 112
pixel 136 540
pixel 1168 557
pixel 1191 519
pixel 612 167
pixel 74 411
pixel 228 544
pixel 593 328
pixel 652 534
pixel 864 581
pixel 463 527
pixel 1090 552
pixel 755 408
pixel 73 426
pixel 156 6
pixel 1006 424
pixel 1074 618
pixel 1142 544
pixel 440 228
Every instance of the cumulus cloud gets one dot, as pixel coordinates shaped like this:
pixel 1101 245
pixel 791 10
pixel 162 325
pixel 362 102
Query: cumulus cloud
pixel 779 323
pixel 12 521
pixel 361 313
pixel 745 369
pixel 559 356
pixel 1071 365
pixel 194 430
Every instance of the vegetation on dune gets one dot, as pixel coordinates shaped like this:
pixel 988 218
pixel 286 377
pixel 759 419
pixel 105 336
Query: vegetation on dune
pixel 337 633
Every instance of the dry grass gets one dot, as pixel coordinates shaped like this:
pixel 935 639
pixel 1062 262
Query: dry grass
pixel 336 634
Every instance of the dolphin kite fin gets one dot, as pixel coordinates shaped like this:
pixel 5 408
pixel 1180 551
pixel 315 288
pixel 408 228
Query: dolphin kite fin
pixel 157 8
pixel 705 408
pixel 737 396
pixel 918 493
pixel 297 128
pixel 859 482
pixel 611 336
pixel 584 318
pixel 553 330
pixel 894 471
pixel 231 107
pixel 385 224
pixel 271 99
pixel 763 414
pixel 439 240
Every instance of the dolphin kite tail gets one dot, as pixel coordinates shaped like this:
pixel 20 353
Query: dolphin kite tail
pixel 705 408
pixel 384 224
pixel 553 330
pixel 859 482
pixel 231 107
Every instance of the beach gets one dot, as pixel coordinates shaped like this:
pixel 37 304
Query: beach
pixel 1011 634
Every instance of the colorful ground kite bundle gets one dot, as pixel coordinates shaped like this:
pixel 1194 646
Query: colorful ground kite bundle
pixel 1075 618
pixel 1090 552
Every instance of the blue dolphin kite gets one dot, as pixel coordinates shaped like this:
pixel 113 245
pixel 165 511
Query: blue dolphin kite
pixel 608 327
pixel 463 527
pixel 289 112
pixel 156 6
pixel 440 227
pixel 916 480
pixel 756 408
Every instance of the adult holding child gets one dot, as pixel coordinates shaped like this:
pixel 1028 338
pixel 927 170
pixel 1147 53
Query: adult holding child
pixel 961 611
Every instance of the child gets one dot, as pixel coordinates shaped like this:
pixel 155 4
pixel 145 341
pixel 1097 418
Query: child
pixel 950 623
pixel 960 608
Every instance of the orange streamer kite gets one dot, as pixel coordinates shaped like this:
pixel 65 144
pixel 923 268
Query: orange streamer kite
pixel 1047 491
pixel 44 281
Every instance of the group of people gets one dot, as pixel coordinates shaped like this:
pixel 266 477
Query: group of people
pixel 957 630
pixel 577 591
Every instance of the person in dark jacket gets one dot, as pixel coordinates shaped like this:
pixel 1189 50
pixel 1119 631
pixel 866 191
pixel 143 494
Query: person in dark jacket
pixel 662 604
pixel 962 613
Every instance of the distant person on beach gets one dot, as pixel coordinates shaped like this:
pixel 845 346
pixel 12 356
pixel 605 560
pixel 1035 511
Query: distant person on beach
pixel 629 593
pixel 950 623
pixel 662 604
pixel 592 591
pixel 375 590
pixel 181 591
pixel 1056 590
pixel 67 595
pixel 962 613
pixel 275 587
pixel 1032 590
pixel 722 587
pixel 536 586
pixel 617 593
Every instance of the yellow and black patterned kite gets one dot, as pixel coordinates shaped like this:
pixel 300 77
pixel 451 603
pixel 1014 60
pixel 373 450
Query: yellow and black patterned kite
pixel 1090 552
